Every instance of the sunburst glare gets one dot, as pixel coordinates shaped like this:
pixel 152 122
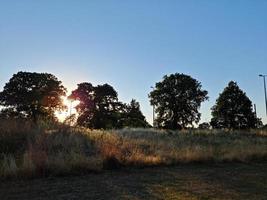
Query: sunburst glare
pixel 70 109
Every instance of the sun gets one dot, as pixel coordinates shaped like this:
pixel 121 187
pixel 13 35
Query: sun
pixel 70 109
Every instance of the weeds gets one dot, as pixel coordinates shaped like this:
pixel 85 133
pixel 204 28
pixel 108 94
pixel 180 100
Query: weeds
pixel 28 151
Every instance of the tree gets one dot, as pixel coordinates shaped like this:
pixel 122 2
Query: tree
pixel 204 126
pixel 233 109
pixel 10 113
pixel 133 117
pixel 98 107
pixel 177 100
pixel 32 95
pixel 70 120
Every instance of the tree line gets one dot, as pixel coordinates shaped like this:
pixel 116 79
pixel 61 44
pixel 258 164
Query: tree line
pixel 177 100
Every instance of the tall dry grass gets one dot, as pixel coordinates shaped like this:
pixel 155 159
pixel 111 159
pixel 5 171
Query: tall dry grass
pixel 29 151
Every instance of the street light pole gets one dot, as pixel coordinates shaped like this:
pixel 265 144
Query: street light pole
pixel 265 92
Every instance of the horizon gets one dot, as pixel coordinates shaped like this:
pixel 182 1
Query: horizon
pixel 132 45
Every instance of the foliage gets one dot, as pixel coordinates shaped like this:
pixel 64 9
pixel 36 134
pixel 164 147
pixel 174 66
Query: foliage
pixel 233 110
pixel 99 108
pixel 9 113
pixel 133 117
pixel 70 120
pixel 204 125
pixel 177 100
pixel 32 95
pixel 264 127
pixel 98 105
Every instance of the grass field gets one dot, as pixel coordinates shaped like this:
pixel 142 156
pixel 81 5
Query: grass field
pixel 59 162
pixel 187 182
pixel 28 151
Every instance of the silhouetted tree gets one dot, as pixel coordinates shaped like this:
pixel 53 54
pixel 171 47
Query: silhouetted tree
pixel 106 100
pixel 32 95
pixel 233 109
pixel 133 116
pixel 98 107
pixel 264 127
pixel 177 100
pixel 204 125
pixel 11 113
pixel 70 120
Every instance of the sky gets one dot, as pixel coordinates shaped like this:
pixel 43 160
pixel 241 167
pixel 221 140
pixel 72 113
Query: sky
pixel 133 44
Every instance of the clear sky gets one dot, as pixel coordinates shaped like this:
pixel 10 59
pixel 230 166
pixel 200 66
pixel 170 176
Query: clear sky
pixel 132 44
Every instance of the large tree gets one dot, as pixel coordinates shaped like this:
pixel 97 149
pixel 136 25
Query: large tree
pixel 98 105
pixel 32 95
pixel 177 99
pixel 99 108
pixel 233 109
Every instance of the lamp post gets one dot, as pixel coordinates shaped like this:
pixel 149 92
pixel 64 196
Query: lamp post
pixel 265 93
pixel 153 106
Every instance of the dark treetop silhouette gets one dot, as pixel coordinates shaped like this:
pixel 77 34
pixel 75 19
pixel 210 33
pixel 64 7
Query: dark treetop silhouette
pixel 177 100
pixel 99 108
pixel 204 126
pixel 233 110
pixel 32 95
pixel 133 117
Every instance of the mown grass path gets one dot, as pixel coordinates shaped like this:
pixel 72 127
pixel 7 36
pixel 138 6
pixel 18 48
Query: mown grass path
pixel 191 181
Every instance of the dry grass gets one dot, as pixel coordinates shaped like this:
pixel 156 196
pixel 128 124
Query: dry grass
pixel 29 151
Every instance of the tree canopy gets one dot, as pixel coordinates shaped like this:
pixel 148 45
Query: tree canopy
pixel 32 95
pixel 204 126
pixel 97 105
pixel 177 99
pixel 233 109
pixel 99 108
pixel 133 117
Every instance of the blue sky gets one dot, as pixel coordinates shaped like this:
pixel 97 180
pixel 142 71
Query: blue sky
pixel 132 44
